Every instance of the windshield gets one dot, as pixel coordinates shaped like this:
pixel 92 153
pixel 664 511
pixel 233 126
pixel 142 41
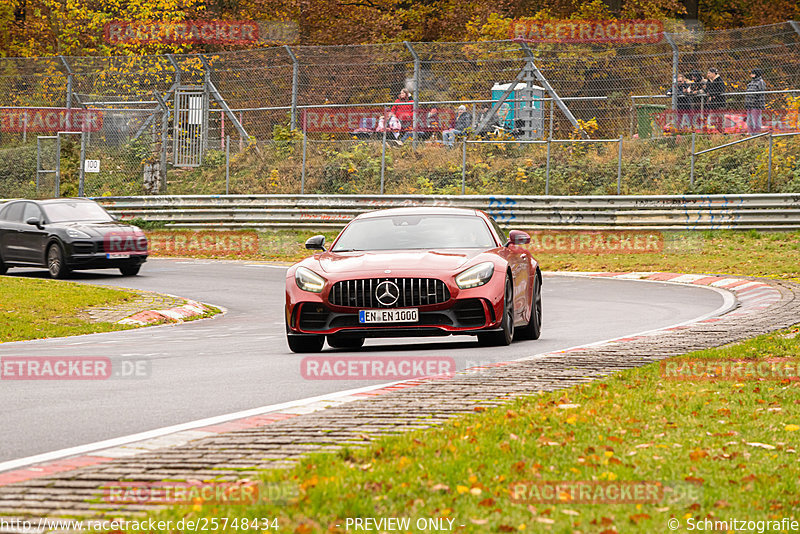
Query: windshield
pixel 75 211
pixel 406 232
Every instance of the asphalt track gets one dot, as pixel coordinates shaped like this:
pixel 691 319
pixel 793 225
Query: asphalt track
pixel 240 360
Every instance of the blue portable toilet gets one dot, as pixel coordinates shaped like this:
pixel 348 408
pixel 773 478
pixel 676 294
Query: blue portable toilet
pixel 521 91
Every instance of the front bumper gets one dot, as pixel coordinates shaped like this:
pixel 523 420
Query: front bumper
pixel 461 316
pixel 91 255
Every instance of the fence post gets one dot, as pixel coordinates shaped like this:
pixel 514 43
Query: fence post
pixel 547 170
pixel 769 173
pixel 82 163
pixel 303 171
pixel 619 167
pixel 383 150
pixel 464 166
pixel 295 85
pixel 58 166
pixel 38 162
pixel 691 170
pixel 633 113
pixel 675 61
pixel 69 81
pixel 164 138
pixel 415 121
pixel 228 165
pixel 552 108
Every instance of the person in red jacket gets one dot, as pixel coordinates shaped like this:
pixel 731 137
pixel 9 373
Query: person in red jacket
pixel 403 109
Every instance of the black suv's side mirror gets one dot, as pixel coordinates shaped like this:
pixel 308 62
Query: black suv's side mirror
pixel 316 243
pixel 34 221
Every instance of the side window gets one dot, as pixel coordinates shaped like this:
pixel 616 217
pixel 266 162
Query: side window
pixel 13 213
pixel 31 210
pixel 500 232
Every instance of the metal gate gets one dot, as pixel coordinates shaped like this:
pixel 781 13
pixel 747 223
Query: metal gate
pixel 189 127
pixel 51 156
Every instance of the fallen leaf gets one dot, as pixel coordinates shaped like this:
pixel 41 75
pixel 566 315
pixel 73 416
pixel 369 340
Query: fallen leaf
pixel 760 445
pixel 638 518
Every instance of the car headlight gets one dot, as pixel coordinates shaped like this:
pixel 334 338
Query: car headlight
pixel 475 276
pixel 308 280
pixel 77 234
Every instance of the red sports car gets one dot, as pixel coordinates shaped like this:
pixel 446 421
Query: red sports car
pixel 410 272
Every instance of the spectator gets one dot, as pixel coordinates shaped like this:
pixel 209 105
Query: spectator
pixel 462 122
pixel 492 121
pixel 403 109
pixel 682 100
pixel 431 124
pixel 715 88
pixel 696 89
pixel 394 128
pixel 755 103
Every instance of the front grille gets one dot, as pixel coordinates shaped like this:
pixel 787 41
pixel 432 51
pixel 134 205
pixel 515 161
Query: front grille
pixel 312 317
pixel 470 312
pixel 411 292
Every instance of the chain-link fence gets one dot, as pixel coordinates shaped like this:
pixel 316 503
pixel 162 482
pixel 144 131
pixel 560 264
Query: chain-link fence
pixel 322 119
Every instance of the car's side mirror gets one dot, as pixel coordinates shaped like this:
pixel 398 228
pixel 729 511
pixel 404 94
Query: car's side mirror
pixel 518 237
pixel 316 243
pixel 34 221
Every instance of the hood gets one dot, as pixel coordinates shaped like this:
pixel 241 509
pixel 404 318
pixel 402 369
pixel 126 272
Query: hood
pixel 399 260
pixel 99 229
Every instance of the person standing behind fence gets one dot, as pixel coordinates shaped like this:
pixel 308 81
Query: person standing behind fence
pixel 754 101
pixel 403 109
pixel 715 89
pixel 682 103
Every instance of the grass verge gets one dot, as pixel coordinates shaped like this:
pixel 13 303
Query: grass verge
pixel 722 449
pixel 35 309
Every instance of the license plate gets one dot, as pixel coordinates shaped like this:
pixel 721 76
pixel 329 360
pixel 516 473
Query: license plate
pixel 404 315
pixel 117 256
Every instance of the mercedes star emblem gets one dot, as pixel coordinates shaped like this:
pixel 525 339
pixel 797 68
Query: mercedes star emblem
pixel 387 293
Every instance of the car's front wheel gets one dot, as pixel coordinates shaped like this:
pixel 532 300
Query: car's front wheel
pixel 3 267
pixel 345 342
pixel 55 262
pixel 303 344
pixel 506 334
pixel 130 270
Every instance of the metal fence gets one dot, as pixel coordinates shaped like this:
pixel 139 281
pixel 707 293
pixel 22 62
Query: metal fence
pixel 675 213
pixel 165 119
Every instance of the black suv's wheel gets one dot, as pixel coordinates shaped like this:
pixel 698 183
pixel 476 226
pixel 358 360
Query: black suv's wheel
pixel 345 342
pixel 130 270
pixel 3 267
pixel 55 262
pixel 533 329
pixel 506 333
pixel 306 343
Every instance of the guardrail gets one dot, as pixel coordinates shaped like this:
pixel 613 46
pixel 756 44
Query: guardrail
pixel 691 212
